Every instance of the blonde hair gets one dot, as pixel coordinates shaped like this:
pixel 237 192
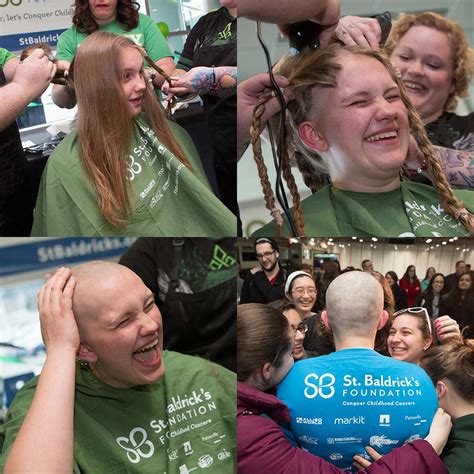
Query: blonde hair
pixel 319 68
pixel 105 122
pixel 463 56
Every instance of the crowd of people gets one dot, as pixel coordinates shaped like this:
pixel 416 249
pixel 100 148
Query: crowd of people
pixel 319 383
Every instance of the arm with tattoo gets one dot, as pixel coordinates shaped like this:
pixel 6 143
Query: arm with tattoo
pixel 204 80
pixel 457 164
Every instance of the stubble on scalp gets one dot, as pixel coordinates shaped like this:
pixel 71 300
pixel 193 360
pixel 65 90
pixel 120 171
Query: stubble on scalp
pixel 354 304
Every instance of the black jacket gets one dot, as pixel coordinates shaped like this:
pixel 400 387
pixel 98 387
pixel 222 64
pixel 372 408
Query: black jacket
pixel 258 289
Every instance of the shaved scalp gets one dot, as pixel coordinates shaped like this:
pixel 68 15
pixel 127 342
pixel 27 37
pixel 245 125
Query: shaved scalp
pixel 91 279
pixel 354 304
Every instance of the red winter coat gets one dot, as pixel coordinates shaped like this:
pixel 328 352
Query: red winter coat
pixel 262 448
pixel 412 291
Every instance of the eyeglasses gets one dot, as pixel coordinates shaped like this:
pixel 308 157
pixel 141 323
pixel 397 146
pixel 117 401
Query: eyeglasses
pixel 265 254
pixel 301 291
pixel 302 328
pixel 416 310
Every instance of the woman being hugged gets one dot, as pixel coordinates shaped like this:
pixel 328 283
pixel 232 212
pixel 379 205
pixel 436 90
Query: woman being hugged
pixel 127 170
pixel 352 117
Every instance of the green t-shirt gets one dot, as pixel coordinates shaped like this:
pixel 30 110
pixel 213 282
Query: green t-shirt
pixel 5 56
pixel 412 210
pixel 183 422
pixel 146 34
pixel 170 200
pixel 457 454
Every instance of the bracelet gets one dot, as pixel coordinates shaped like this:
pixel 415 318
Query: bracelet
pixel 215 84
pixel 423 167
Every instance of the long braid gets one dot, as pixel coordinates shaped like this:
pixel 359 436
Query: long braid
pixel 290 180
pixel 255 131
pixel 451 204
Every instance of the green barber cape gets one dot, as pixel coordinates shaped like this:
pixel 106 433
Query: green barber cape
pixel 183 423
pixel 413 210
pixel 169 199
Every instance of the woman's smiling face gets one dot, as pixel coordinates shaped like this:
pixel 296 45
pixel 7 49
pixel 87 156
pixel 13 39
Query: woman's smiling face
pixel 425 58
pixel 303 294
pixel 360 127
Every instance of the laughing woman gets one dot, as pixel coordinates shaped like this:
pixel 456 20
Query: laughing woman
pixel 352 117
pixel 127 170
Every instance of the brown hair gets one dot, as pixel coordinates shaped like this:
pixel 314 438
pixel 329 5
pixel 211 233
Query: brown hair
pixel 127 16
pixel 453 362
pixel 389 306
pixel 263 335
pixel 319 68
pixel 282 305
pixel 422 324
pixel 463 58
pixel 104 124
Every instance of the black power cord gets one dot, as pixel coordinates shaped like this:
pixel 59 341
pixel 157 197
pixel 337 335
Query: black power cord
pixel 280 192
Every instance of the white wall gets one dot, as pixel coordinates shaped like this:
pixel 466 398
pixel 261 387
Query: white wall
pixel 397 257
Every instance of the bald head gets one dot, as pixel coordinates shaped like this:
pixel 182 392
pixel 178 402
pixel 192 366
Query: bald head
pixel 94 281
pixel 354 304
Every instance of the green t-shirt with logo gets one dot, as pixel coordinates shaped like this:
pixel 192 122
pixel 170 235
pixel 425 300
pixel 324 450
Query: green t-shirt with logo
pixel 182 424
pixel 5 56
pixel 413 210
pixel 169 199
pixel 146 34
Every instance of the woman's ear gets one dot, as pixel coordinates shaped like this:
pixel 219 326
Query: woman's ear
pixel 267 372
pixel 441 389
pixel 428 343
pixel 86 354
pixel 312 137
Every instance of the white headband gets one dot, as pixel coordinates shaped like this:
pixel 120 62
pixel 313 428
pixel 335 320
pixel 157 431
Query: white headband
pixel 292 276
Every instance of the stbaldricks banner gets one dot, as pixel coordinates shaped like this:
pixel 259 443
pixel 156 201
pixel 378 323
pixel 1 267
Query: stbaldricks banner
pixel 26 22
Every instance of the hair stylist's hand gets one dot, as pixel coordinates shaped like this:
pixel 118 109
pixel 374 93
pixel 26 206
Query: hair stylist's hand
pixel 352 30
pixel 34 74
pixel 439 430
pixel 327 22
pixel 248 94
pixel 58 325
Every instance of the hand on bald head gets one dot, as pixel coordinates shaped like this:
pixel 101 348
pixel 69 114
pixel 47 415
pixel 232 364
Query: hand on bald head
pixel 354 304
pixel 93 279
